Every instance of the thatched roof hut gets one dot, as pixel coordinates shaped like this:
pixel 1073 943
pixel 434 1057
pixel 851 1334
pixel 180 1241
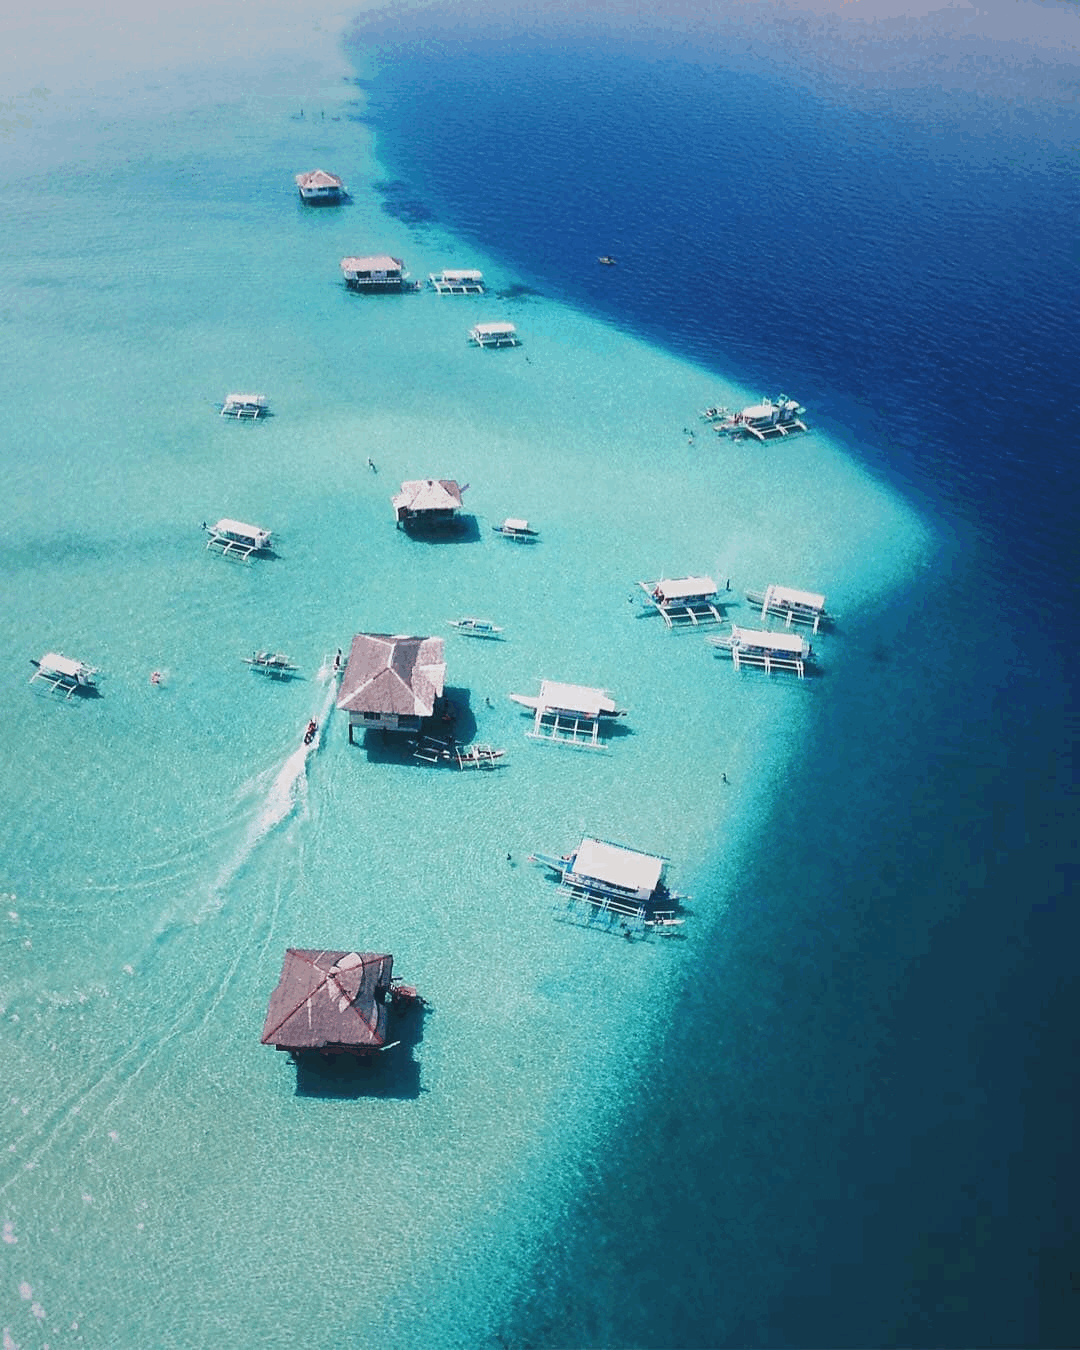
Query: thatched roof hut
pixel 333 1002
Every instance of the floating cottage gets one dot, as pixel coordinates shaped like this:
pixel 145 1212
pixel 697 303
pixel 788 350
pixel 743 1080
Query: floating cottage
pixel 684 601
pixel 494 335
pixel 427 503
pixel 569 713
pixel 64 673
pixel 771 651
pixel 319 188
pixel 790 605
pixel 392 683
pixel 764 421
pixel 245 406
pixel 380 272
pixel 620 886
pixel 515 528
pixel 235 539
pixel 335 1003
pixel 457 281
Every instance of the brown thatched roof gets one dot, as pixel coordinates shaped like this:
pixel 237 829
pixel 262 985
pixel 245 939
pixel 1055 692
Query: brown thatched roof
pixel 429 494
pixel 402 675
pixel 329 999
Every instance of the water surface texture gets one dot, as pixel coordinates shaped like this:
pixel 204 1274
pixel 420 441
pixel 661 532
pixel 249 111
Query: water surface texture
pixel 836 1109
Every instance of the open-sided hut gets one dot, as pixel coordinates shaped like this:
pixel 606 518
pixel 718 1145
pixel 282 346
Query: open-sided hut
pixel 427 502
pixel 333 1002
pixel 392 683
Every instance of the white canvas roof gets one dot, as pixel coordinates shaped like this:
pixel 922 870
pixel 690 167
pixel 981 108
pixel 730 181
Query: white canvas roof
pixel 494 328
pixel 772 642
pixel 787 595
pixel 259 399
pixel 511 523
pixel 240 530
pixel 686 588
pixel 461 274
pixel 618 866
pixel 758 411
pixel 577 698
pixel 55 664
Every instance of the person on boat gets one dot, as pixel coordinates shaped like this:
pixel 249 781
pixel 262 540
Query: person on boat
pixel 309 734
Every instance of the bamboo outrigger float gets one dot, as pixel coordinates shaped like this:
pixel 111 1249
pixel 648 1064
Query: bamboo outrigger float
pixel 770 651
pixel 570 714
pixel 684 601
pixel 615 888
pixel 790 605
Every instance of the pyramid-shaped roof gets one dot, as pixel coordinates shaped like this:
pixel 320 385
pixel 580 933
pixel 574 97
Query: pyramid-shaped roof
pixel 402 675
pixel 326 998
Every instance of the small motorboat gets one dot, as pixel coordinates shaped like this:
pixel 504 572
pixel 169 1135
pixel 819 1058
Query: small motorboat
pixel 606 259
pixel 309 734
pixel 481 628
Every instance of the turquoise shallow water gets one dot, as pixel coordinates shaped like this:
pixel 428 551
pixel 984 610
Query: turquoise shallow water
pixel 165 1183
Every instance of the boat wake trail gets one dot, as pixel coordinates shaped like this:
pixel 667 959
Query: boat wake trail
pixel 287 791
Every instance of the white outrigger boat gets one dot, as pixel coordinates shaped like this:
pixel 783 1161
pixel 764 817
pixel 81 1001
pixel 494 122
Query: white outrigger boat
pixel 250 406
pixel 236 539
pixel 614 887
pixel 275 664
pixel 494 335
pixel 790 605
pixel 521 530
pixel 61 672
pixel 570 714
pixel 480 628
pixel 771 651
pixel 769 418
pixel 457 281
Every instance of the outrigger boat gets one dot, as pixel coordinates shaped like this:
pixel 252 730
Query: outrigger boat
pixel 521 530
pixel 791 605
pixel 61 672
pixel 251 406
pixel 275 664
pixel 764 420
pixel 432 750
pixel 235 539
pixel 569 713
pixel 615 887
pixel 481 628
pixel 770 651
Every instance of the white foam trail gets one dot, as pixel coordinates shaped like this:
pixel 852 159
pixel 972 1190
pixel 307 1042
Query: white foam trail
pixel 287 790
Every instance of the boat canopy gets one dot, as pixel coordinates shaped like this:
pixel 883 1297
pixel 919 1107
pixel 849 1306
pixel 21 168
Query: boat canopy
pixel 770 642
pixel 236 529
pixel 511 524
pixel 576 698
pixel 787 595
pixel 249 400
pixel 685 588
pixel 453 274
pixel 494 329
pixel 760 411
pixel 52 663
pixel 618 866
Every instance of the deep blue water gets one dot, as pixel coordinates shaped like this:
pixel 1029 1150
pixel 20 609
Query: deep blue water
pixel 859 1129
